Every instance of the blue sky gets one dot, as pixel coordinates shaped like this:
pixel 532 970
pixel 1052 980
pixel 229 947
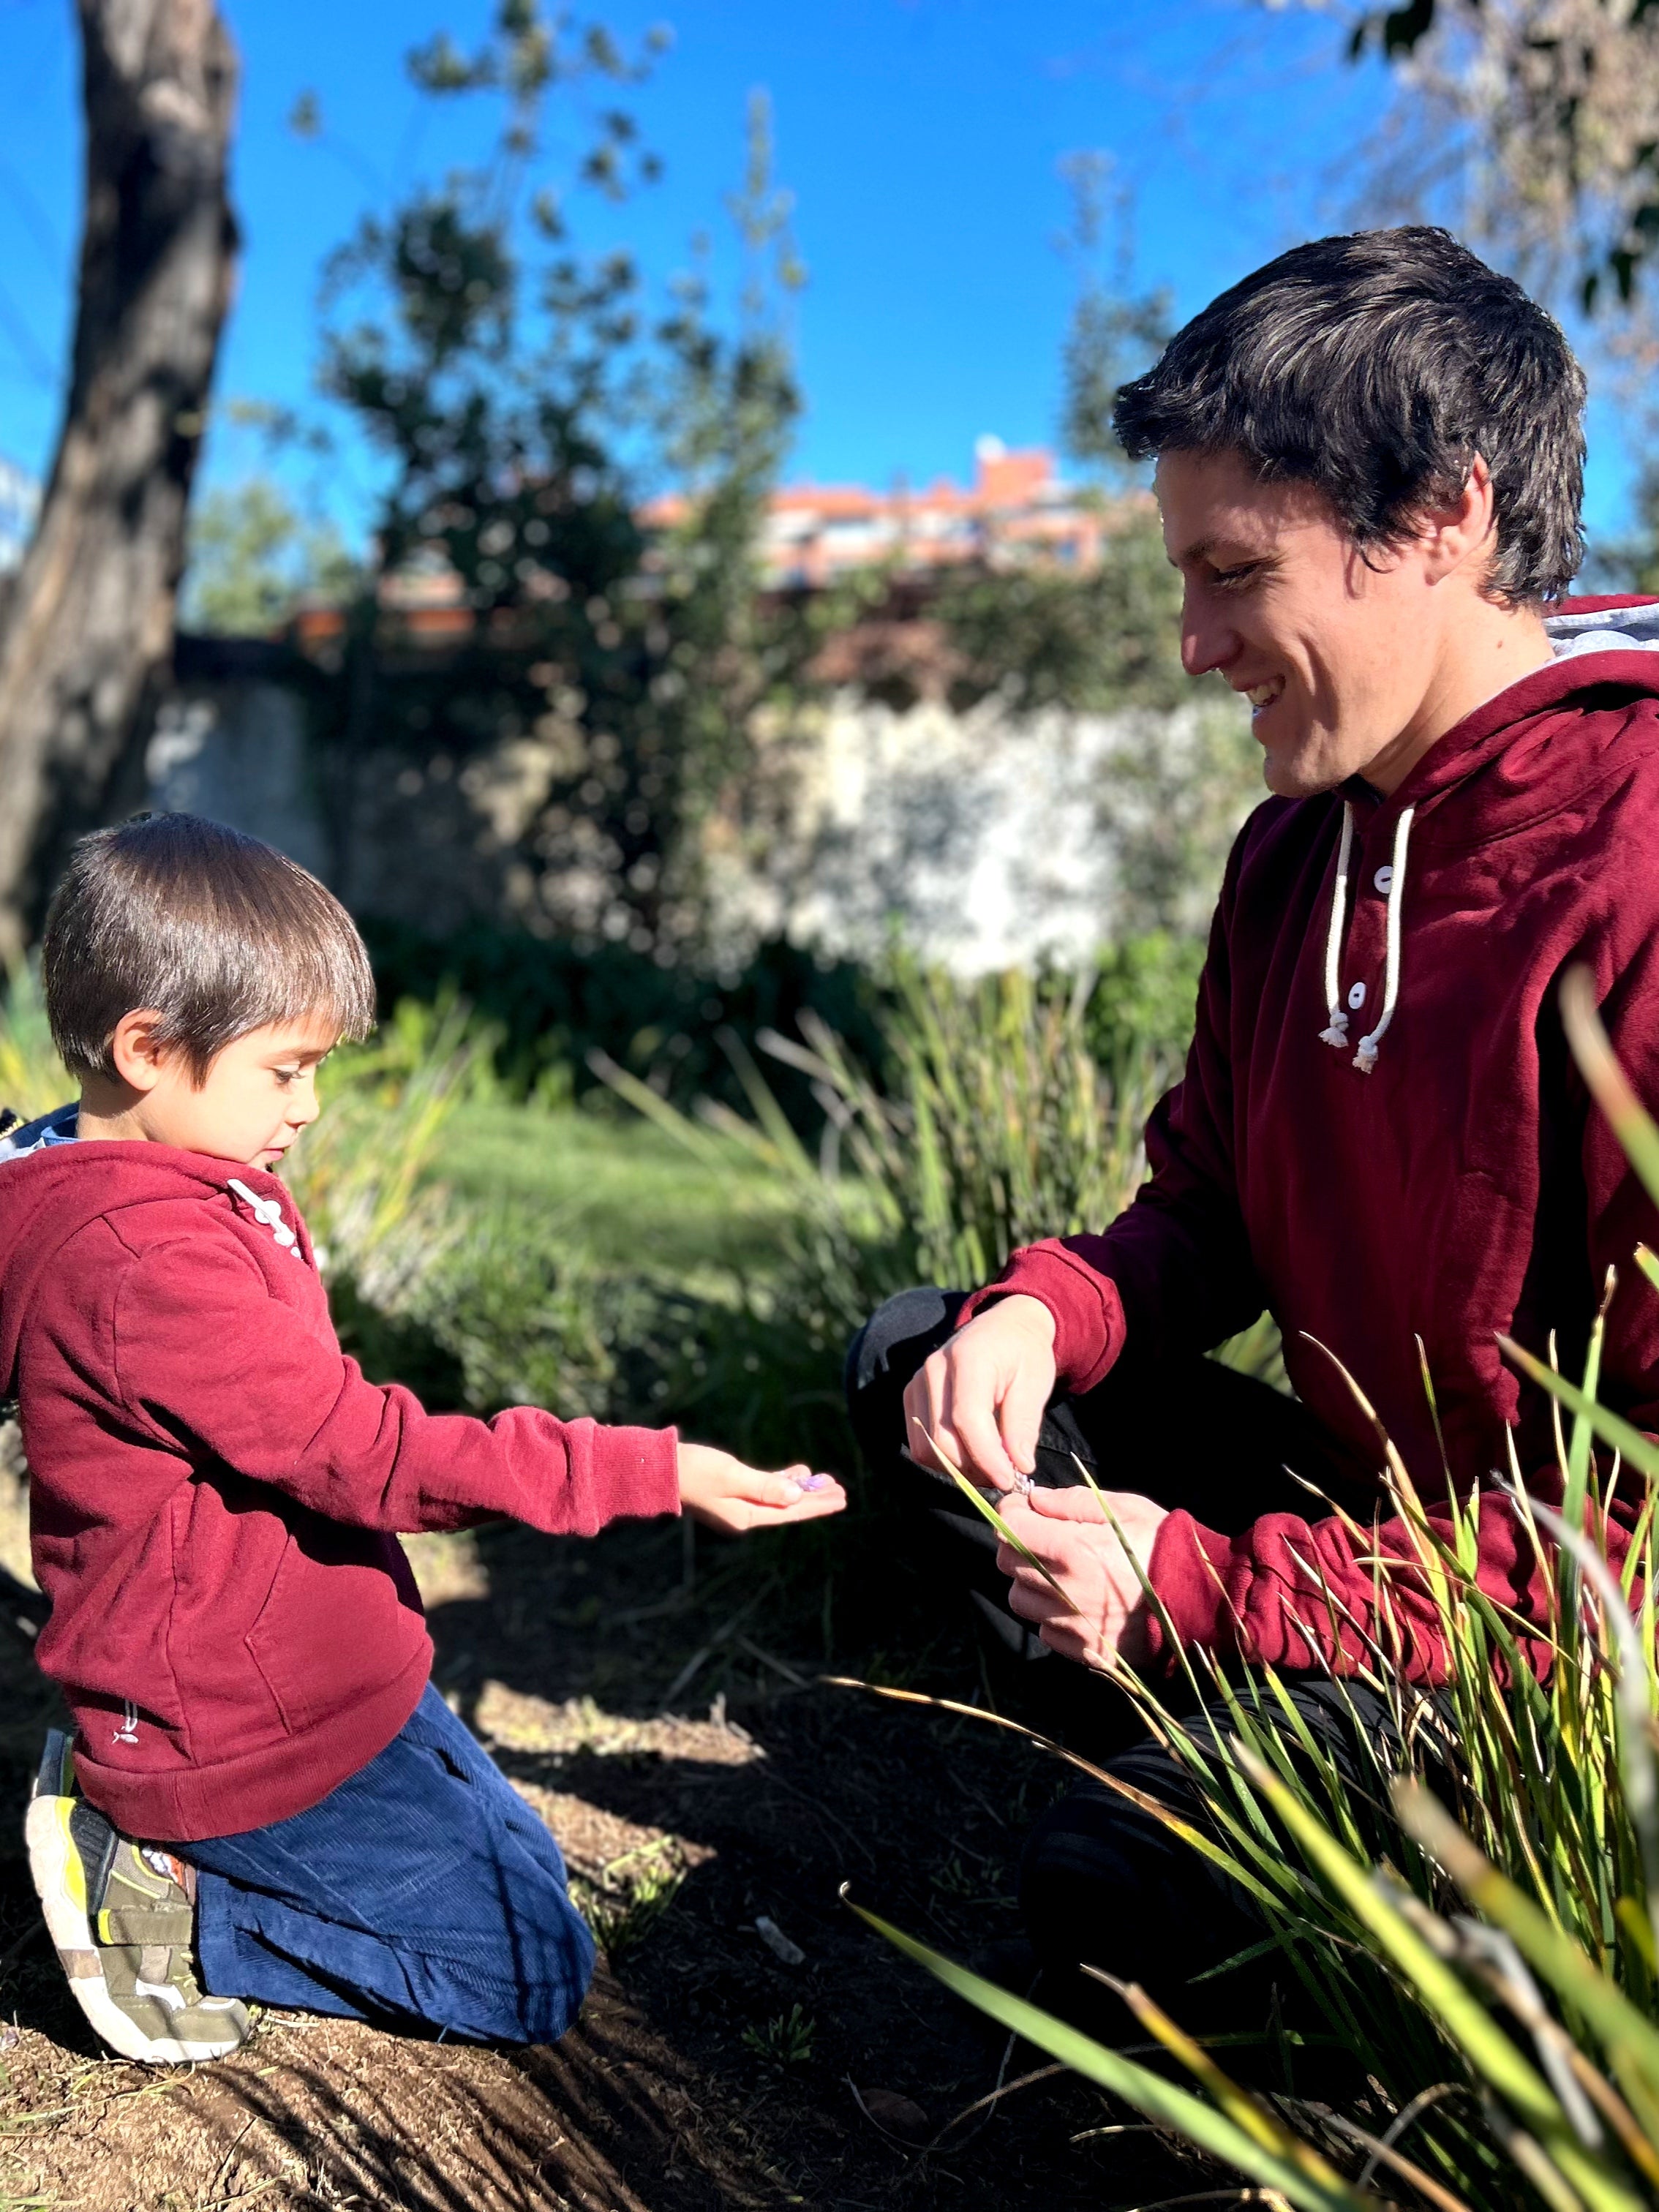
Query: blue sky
pixel 922 139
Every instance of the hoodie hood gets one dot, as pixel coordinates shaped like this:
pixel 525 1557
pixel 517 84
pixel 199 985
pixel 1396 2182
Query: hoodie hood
pixel 1616 624
pixel 1517 760
pixel 56 1128
pixel 50 1190
pixel 1604 645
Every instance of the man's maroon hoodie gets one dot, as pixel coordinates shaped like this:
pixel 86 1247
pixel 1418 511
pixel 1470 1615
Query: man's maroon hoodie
pixel 215 1488
pixel 1460 1187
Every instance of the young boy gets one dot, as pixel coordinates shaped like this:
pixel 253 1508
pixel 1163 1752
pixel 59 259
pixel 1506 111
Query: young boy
pixel 265 1798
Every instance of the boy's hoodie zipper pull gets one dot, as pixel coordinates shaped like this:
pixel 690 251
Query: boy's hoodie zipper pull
pixel 268 1214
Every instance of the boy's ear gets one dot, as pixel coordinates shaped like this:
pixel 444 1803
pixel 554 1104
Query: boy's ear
pixel 136 1051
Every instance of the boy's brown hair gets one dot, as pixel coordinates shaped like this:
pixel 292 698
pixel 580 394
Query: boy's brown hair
pixel 218 933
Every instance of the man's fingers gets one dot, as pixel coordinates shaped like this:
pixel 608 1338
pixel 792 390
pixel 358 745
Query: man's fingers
pixel 1067 1639
pixel 1075 1503
pixel 983 1455
pixel 1020 1414
pixel 1036 1601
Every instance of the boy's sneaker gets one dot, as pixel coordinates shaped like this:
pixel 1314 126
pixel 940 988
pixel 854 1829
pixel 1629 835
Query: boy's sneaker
pixel 123 1919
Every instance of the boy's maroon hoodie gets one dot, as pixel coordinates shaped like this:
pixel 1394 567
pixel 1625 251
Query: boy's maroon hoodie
pixel 215 1488
pixel 1461 1187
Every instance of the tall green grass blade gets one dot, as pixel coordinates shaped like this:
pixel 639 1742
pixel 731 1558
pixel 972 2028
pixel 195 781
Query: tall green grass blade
pixel 1640 1450
pixel 1578 1455
pixel 1631 2039
pixel 1465 2017
pixel 1609 1084
pixel 1161 2102
pixel 666 1117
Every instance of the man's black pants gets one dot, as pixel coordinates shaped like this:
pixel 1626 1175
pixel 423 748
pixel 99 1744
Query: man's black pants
pixel 1101 1881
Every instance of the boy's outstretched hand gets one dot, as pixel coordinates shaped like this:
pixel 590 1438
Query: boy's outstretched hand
pixel 723 1494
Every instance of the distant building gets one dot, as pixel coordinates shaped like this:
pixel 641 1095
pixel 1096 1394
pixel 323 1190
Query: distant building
pixel 1017 509
pixel 20 503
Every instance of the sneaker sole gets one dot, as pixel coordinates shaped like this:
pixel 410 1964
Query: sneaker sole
pixel 55 1868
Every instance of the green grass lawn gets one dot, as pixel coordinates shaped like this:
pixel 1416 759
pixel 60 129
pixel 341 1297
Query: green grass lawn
pixel 622 1191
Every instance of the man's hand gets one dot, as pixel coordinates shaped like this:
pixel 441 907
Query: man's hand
pixel 723 1494
pixel 983 1394
pixel 1065 1530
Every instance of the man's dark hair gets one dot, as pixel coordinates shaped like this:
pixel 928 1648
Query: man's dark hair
pixel 1376 367
pixel 219 933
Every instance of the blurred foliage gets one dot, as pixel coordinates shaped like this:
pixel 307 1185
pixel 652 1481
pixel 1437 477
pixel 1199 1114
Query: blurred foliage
pixel 1546 113
pixel 1631 563
pixel 254 559
pixel 1091 643
pixel 1109 639
pixel 1144 1001
pixel 550 1005
pixel 997 1126
pixel 1115 332
pixel 553 1002
pixel 33 1079
pixel 361 1173
pixel 524 397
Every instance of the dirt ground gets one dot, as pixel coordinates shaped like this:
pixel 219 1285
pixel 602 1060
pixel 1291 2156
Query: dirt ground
pixel 698 1777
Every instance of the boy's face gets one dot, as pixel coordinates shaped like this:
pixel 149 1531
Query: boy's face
pixel 1343 659
pixel 260 1093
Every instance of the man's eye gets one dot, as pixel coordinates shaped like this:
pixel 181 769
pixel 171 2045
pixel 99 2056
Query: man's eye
pixel 1232 579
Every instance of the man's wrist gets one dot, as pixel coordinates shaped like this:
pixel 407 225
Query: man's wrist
pixel 1031 1313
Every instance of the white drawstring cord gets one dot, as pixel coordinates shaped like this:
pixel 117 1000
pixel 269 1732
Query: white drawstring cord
pixel 1365 1058
pixel 268 1214
pixel 1337 1033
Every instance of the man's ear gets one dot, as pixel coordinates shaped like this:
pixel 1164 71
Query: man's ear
pixel 1463 531
pixel 136 1050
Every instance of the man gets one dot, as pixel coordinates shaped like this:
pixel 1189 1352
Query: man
pixel 1369 462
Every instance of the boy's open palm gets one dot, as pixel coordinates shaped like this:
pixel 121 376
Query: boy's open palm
pixel 723 1494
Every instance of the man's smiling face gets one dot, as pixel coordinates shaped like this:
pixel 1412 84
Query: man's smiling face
pixel 1337 656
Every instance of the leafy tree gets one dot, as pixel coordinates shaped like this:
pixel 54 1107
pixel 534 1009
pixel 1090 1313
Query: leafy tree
pixel 523 397
pixel 1115 332
pixel 1548 111
pixel 253 558
pixel 1109 639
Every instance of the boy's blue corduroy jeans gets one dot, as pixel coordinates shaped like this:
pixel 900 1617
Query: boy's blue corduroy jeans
pixel 423 1889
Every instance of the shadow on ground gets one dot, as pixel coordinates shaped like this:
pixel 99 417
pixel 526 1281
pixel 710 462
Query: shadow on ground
pixel 670 1728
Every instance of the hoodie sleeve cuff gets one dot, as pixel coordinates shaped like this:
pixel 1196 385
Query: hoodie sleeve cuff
pixel 1088 1314
pixel 636 1472
pixel 1193 1570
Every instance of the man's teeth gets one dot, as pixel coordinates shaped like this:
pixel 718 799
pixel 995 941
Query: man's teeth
pixel 1263 694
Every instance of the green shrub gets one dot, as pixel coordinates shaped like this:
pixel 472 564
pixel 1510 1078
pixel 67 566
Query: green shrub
pixel 33 1079
pixel 553 1002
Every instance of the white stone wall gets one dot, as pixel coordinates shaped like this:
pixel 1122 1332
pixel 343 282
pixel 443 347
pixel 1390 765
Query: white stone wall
pixel 982 840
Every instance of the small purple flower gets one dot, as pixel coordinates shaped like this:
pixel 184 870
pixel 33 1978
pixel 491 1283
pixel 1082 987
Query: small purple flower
pixel 813 1481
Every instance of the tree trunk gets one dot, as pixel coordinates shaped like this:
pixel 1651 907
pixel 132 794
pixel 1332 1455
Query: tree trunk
pixel 89 631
